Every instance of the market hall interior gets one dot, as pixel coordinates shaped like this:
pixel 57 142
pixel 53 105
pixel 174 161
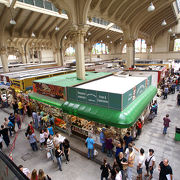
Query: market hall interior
pixel 92 64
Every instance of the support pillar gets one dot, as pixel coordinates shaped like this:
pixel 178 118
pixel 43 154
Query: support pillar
pixel 148 51
pixel 90 54
pixel 40 57
pixel 4 59
pixel 33 56
pixel 79 53
pixel 130 54
pixel 23 58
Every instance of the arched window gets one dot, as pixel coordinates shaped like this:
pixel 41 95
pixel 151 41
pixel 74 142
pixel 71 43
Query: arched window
pixel 140 45
pixel 12 57
pixel 177 45
pixel 100 48
pixel 124 49
pixel 70 51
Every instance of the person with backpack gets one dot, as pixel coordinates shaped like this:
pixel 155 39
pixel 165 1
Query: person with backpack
pixel 150 164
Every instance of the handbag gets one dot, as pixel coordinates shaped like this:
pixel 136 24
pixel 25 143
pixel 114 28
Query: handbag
pixel 147 162
pixel 48 155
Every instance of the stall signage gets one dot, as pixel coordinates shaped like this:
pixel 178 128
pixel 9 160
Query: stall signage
pixel 104 99
pixel 140 88
pixel 128 97
pixel 149 81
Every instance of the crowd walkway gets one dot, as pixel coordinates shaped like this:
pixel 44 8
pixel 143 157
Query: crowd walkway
pixel 152 137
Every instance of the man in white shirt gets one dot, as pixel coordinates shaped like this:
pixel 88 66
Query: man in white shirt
pixel 150 163
pixel 140 162
pixel 118 174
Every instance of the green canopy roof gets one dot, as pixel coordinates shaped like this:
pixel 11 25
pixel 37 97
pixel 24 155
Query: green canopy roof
pixel 46 99
pixel 123 119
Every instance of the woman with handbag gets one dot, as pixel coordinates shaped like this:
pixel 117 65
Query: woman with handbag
pixel 105 167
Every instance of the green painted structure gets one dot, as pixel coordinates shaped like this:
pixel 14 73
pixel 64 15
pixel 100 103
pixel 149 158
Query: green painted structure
pixel 46 99
pixel 119 119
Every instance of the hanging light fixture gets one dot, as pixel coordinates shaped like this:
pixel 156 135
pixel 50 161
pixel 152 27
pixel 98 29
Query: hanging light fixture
pixel 170 30
pixel 57 28
pixel 174 34
pixel 111 42
pixel 65 37
pixel 12 21
pixel 86 39
pixel 151 7
pixel 89 33
pixel 108 36
pixel 33 35
pixel 163 23
pixel 101 40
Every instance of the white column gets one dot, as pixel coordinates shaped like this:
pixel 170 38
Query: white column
pixel 130 54
pixel 33 56
pixel 23 58
pixel 40 56
pixel 4 59
pixel 79 53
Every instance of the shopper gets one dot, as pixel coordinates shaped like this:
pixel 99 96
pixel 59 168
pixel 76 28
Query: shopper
pixel 58 154
pixel 139 127
pixel 66 149
pixel 50 146
pixel 20 108
pixel 105 167
pixel 51 120
pixel 35 119
pixel 140 162
pixel 50 129
pixel 12 118
pixel 46 135
pixel 119 148
pixel 34 175
pixel 166 91
pixel 6 121
pixel 11 128
pixel 15 106
pixel 131 158
pixel 122 162
pixel 90 145
pixel 42 176
pixel 118 174
pixel 42 139
pixel 166 123
pixel 32 140
pixel 178 99
pixel 18 120
pixel 56 139
pixel 113 172
pixel 109 146
pixel 150 163
pixel 26 171
pixel 102 140
pixel 40 123
pixel 165 170
pixel 4 133
pixel 127 139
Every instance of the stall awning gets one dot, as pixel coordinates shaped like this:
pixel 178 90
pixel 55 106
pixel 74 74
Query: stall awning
pixel 123 119
pixel 46 99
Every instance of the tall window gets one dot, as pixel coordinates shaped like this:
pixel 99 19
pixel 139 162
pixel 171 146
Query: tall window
pixel 124 49
pixel 70 51
pixel 140 45
pixel 178 5
pixel 100 48
pixel 177 45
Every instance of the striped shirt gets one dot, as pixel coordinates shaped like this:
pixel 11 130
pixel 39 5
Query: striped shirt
pixel 50 144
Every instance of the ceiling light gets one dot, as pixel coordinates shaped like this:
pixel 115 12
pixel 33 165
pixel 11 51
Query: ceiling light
pixel 57 28
pixel 164 23
pixel 111 42
pixel 86 39
pixel 108 36
pixel 33 35
pixel 101 40
pixel 89 33
pixel 151 7
pixel 12 21
pixel 65 37
pixel 174 34
pixel 170 30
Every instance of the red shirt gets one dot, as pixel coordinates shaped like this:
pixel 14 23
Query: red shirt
pixel 139 125
pixel 166 121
